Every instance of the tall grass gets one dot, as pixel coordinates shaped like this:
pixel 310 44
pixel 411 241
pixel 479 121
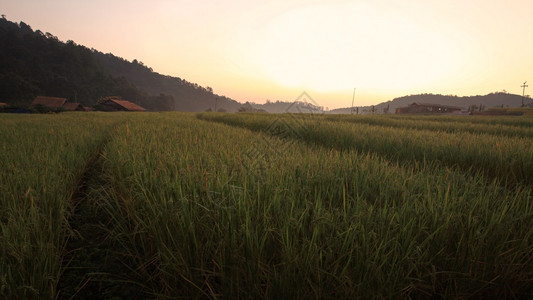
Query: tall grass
pixel 41 158
pixel 206 219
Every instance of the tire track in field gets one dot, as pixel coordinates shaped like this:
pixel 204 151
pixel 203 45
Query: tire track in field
pixel 93 267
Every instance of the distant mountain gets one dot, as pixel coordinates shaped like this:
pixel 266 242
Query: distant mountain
pixel 34 63
pixel 491 100
pixel 303 104
pixel 187 96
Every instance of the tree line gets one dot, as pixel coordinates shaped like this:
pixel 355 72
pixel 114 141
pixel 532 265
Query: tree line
pixel 34 63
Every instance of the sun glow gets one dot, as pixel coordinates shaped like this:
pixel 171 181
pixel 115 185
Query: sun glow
pixel 258 50
pixel 333 46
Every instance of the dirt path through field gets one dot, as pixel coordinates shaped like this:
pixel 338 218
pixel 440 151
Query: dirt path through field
pixel 93 265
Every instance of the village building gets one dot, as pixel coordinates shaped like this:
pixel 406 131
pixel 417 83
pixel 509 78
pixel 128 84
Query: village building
pixel 73 107
pixel 53 103
pixel 427 108
pixel 57 104
pixel 114 104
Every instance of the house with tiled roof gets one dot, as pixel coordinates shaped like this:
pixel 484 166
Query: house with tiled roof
pixel 53 103
pixel 116 104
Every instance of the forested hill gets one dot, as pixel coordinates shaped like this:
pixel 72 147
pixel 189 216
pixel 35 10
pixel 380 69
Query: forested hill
pixel 497 99
pixel 35 63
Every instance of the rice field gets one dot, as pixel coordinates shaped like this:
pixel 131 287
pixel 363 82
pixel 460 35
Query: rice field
pixel 247 206
pixel 42 158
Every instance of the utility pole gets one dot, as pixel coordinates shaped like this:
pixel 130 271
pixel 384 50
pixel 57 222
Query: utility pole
pixel 353 99
pixel 523 86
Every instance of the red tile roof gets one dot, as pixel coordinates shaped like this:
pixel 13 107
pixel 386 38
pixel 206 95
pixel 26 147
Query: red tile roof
pixel 128 105
pixel 52 102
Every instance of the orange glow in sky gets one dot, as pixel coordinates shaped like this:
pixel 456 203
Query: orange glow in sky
pixel 259 50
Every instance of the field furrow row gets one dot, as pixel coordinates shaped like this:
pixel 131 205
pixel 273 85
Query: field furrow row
pixel 524 121
pixel 437 126
pixel 42 158
pixel 508 160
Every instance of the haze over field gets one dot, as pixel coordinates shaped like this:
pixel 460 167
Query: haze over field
pixel 253 51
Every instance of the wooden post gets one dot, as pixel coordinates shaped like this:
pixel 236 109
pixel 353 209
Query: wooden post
pixel 523 86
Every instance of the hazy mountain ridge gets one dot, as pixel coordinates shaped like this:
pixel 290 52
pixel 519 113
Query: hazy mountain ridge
pixel 491 100
pixel 188 96
pixel 298 106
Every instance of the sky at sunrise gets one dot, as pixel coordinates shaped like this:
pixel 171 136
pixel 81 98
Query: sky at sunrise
pixel 258 50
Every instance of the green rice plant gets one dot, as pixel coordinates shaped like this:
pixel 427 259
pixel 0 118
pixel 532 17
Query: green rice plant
pixel 522 121
pixel 214 211
pixel 290 209
pixel 42 158
pixel 507 159
pixel 451 126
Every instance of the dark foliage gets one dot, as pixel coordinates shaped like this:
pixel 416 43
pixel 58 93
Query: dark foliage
pixel 34 63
